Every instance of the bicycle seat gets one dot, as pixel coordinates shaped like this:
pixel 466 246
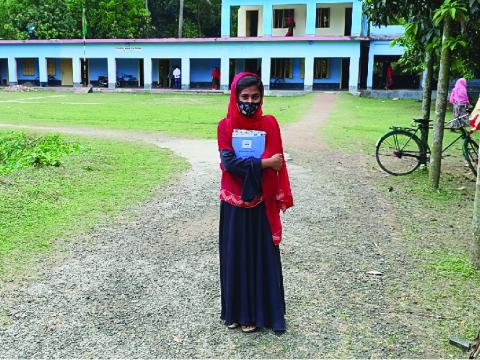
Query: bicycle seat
pixel 421 121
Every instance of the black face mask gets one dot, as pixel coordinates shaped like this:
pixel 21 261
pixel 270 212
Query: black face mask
pixel 248 108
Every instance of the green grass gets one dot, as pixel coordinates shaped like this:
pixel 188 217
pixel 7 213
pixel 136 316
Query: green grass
pixel 190 115
pixel 42 204
pixel 436 224
pixel 358 122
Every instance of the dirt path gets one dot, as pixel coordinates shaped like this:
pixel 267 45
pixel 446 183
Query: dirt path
pixel 148 286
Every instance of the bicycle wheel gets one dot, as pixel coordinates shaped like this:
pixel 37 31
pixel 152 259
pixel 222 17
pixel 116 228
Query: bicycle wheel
pixel 470 153
pixel 399 152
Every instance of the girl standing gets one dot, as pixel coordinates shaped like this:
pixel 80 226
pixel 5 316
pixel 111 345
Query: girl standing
pixel 253 191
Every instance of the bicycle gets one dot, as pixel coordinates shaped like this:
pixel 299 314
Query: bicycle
pixel 401 152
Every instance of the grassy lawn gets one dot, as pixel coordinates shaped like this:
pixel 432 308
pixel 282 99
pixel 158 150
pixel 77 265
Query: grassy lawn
pixel 190 115
pixel 436 224
pixel 42 204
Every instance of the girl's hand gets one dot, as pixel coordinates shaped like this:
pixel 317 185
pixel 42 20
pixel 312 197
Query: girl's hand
pixel 275 162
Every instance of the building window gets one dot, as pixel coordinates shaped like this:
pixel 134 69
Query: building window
pixel 280 18
pixel 28 67
pixel 321 68
pixel 323 18
pixel 302 68
pixel 282 68
pixel 51 68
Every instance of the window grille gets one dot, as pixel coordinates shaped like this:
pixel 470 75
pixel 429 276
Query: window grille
pixel 28 67
pixel 323 18
pixel 280 18
pixel 282 68
pixel 51 68
pixel 321 68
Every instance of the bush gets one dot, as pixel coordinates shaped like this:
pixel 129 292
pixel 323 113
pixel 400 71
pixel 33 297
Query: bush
pixel 18 151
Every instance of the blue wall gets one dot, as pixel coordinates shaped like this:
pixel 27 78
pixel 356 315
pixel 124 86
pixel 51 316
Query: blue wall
pixel 97 67
pixel 58 69
pixel 239 65
pixel 201 69
pixel 20 75
pixel 154 70
pixel 296 73
pixel 128 67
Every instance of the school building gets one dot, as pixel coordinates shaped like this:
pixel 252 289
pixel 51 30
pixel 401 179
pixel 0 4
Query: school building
pixel 331 47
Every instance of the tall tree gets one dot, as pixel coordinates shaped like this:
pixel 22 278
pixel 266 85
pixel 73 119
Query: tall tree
pixel 180 19
pixel 449 12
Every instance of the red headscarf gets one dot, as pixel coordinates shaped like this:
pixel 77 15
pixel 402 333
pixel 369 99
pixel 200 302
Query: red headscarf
pixel 276 192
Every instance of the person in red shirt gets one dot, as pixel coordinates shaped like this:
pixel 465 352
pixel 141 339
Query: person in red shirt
pixel 389 77
pixel 253 193
pixel 215 79
pixel 290 25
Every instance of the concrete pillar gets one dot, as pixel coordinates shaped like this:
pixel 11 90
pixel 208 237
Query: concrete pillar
pixel 225 28
pixel 370 70
pixel 310 27
pixel 76 72
pixel 42 71
pixel 224 73
pixel 185 73
pixel 353 74
pixel 147 73
pixel 308 79
pixel 267 19
pixel 12 71
pixel 266 65
pixel 112 72
pixel 357 18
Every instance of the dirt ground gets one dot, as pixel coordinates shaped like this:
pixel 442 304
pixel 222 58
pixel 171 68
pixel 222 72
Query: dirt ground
pixel 147 285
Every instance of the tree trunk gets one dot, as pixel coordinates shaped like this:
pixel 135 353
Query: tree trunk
pixel 440 106
pixel 427 99
pixel 475 249
pixel 180 20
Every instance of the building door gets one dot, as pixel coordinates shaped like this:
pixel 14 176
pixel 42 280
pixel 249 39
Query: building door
pixel 348 22
pixel 67 72
pixel 163 70
pixel 140 73
pixel 1 72
pixel 85 71
pixel 345 73
pixel 252 23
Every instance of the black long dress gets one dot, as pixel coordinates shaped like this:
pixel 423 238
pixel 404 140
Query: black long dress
pixel 250 267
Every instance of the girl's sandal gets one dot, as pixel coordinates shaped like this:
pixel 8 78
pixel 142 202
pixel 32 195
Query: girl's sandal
pixel 232 325
pixel 248 328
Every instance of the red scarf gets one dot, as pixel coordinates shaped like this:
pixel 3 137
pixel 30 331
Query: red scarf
pixel 276 192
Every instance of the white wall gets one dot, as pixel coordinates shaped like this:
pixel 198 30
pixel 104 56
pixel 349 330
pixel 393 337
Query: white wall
pixel 392 30
pixel 337 20
pixel 242 20
pixel 300 12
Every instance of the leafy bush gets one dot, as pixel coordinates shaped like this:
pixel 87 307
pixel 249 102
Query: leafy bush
pixel 18 150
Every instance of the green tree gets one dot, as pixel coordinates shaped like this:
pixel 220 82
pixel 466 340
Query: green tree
pixel 61 19
pixel 51 19
pixel 113 18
